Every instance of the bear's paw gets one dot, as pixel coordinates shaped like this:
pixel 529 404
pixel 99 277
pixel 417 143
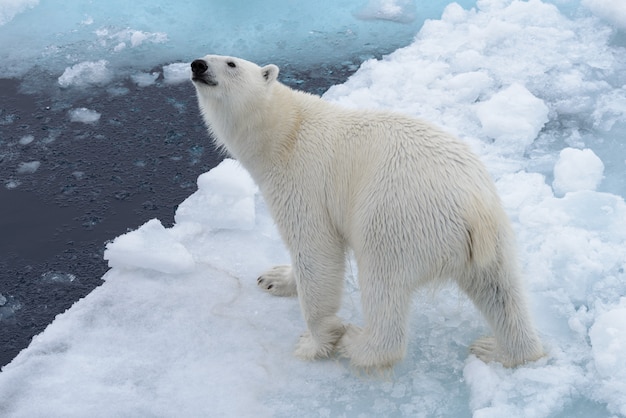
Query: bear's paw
pixel 278 281
pixel 366 355
pixel 329 331
pixel 487 350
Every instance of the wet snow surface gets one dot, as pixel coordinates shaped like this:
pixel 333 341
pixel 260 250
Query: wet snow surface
pixel 179 328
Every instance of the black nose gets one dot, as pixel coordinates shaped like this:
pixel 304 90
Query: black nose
pixel 199 67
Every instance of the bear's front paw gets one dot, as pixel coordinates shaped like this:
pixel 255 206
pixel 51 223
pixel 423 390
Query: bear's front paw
pixel 278 281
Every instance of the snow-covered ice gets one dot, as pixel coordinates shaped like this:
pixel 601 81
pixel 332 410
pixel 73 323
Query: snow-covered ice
pixel 179 327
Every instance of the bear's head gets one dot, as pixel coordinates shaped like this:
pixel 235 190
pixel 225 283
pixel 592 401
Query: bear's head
pixel 227 78
pixel 235 98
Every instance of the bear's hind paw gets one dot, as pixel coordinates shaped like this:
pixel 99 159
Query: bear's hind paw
pixel 487 350
pixel 363 357
pixel 484 348
pixel 309 349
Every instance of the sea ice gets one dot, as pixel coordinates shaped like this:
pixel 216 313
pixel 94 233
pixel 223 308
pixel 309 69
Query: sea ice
pixel 180 314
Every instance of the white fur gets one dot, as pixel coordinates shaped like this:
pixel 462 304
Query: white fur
pixel 413 203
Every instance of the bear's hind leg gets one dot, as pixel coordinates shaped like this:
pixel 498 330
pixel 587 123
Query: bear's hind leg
pixel 497 292
pixel 386 302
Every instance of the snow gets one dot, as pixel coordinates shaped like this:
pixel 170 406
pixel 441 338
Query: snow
pixel 179 327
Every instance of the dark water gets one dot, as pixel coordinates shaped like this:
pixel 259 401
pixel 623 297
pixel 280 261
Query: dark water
pixel 94 182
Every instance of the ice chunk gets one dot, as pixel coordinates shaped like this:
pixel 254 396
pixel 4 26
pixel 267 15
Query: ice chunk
pixel 513 117
pixel 8 306
pixel 57 277
pixel 29 167
pixel 84 115
pixel 85 74
pixel 176 73
pixel 26 139
pixel 145 79
pixel 150 247
pixel 224 200
pixel 131 37
pixel 395 10
pixel 577 170
pixel 12 184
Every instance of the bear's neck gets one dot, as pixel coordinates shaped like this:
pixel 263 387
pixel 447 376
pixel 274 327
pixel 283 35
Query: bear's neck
pixel 261 136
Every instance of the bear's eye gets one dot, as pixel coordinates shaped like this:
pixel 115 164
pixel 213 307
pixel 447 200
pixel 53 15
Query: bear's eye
pixel 231 64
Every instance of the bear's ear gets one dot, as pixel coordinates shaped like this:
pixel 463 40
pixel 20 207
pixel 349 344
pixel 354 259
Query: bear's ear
pixel 270 73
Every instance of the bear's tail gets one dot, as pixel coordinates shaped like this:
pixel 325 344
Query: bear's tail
pixel 488 233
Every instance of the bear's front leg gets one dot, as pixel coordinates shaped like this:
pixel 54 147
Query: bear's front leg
pixel 279 281
pixel 319 274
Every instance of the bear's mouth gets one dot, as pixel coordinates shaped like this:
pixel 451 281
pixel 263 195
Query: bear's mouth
pixel 203 79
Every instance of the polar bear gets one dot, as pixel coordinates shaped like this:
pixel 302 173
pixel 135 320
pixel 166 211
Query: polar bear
pixel 413 203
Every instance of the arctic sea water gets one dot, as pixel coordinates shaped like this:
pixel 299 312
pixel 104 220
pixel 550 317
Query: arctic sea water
pixel 178 328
